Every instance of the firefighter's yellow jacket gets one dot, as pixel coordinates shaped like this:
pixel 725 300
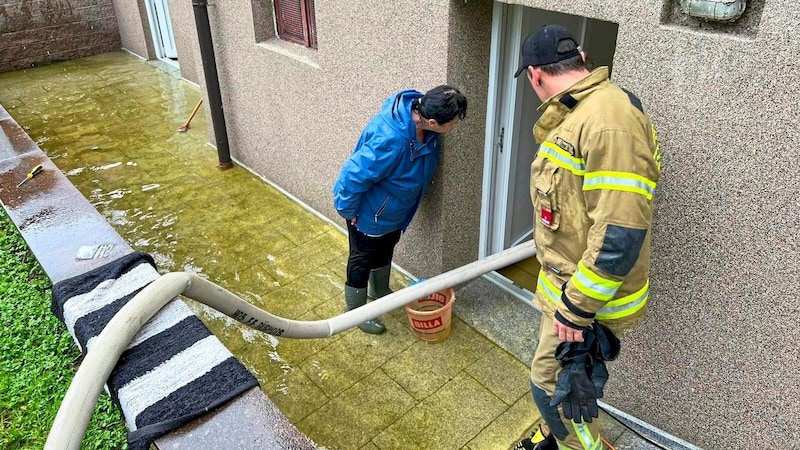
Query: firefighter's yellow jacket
pixel 592 186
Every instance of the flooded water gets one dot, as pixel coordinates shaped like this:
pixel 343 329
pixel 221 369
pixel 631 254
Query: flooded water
pixel 110 124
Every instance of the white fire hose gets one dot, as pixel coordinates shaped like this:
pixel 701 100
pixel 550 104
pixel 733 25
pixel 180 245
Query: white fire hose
pixel 78 405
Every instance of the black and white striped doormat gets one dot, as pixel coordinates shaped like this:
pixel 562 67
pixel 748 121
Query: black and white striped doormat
pixel 173 372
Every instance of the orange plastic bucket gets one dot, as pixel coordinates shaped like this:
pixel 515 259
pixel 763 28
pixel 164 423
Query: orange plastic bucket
pixel 430 317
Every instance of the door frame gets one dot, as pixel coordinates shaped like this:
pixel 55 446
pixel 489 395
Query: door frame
pixel 503 116
pixel 496 176
pixel 503 120
pixel 155 31
pixel 496 181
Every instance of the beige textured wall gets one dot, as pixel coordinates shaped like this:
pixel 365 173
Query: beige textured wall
pixel 445 232
pixel 183 28
pixel 470 26
pixel 131 30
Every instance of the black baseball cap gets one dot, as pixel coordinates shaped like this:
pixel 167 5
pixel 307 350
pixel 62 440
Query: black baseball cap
pixel 541 47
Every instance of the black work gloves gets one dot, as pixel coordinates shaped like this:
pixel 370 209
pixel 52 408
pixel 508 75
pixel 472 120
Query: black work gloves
pixel 606 344
pixel 574 389
pixel 584 374
pixel 606 348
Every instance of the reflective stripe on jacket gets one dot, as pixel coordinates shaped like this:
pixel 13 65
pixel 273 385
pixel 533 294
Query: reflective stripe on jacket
pixel 592 186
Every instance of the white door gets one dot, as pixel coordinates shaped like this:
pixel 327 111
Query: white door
pixel 163 29
pixel 507 213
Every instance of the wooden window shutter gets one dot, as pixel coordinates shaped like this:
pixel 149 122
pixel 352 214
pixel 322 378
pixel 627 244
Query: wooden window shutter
pixel 312 24
pixel 296 21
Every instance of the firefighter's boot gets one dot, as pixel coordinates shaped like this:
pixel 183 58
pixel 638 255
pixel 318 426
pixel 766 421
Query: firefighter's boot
pixel 355 297
pixel 537 441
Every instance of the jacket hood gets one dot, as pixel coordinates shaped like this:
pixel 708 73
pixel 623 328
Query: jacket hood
pixel 396 112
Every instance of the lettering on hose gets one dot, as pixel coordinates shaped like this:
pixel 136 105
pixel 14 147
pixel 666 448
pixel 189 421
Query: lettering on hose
pixel 427 324
pixel 269 329
pixel 252 322
pixel 566 146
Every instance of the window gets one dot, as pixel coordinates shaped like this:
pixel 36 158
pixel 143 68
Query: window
pixel 295 20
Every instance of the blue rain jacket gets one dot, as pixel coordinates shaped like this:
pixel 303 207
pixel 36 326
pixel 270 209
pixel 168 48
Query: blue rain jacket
pixel 389 170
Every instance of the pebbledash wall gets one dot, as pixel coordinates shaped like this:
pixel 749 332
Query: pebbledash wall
pixel 715 361
pixel 36 32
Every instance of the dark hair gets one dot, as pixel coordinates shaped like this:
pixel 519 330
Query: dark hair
pixel 442 104
pixel 567 65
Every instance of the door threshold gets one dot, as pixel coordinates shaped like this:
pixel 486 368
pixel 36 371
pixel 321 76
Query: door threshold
pixel 171 62
pixel 519 293
pixel 171 68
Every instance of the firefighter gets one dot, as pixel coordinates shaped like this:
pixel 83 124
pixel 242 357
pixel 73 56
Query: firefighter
pixel 592 186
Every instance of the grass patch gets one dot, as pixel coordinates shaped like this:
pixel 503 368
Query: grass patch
pixel 37 356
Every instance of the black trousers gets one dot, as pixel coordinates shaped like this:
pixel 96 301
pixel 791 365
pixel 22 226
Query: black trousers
pixel 367 253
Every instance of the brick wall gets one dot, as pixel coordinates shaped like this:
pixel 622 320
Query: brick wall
pixel 36 32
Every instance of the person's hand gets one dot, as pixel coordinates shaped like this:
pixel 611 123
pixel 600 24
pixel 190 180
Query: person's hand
pixel 354 220
pixel 566 333
pixel 563 327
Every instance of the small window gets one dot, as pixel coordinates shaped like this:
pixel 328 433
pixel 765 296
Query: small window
pixel 295 20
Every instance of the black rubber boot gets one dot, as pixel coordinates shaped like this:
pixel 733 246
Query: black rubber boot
pixel 379 282
pixel 355 298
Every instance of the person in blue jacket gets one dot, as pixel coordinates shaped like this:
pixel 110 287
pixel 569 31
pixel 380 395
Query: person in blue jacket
pixel 382 183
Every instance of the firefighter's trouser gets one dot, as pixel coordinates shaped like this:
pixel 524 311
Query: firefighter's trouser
pixel 544 373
